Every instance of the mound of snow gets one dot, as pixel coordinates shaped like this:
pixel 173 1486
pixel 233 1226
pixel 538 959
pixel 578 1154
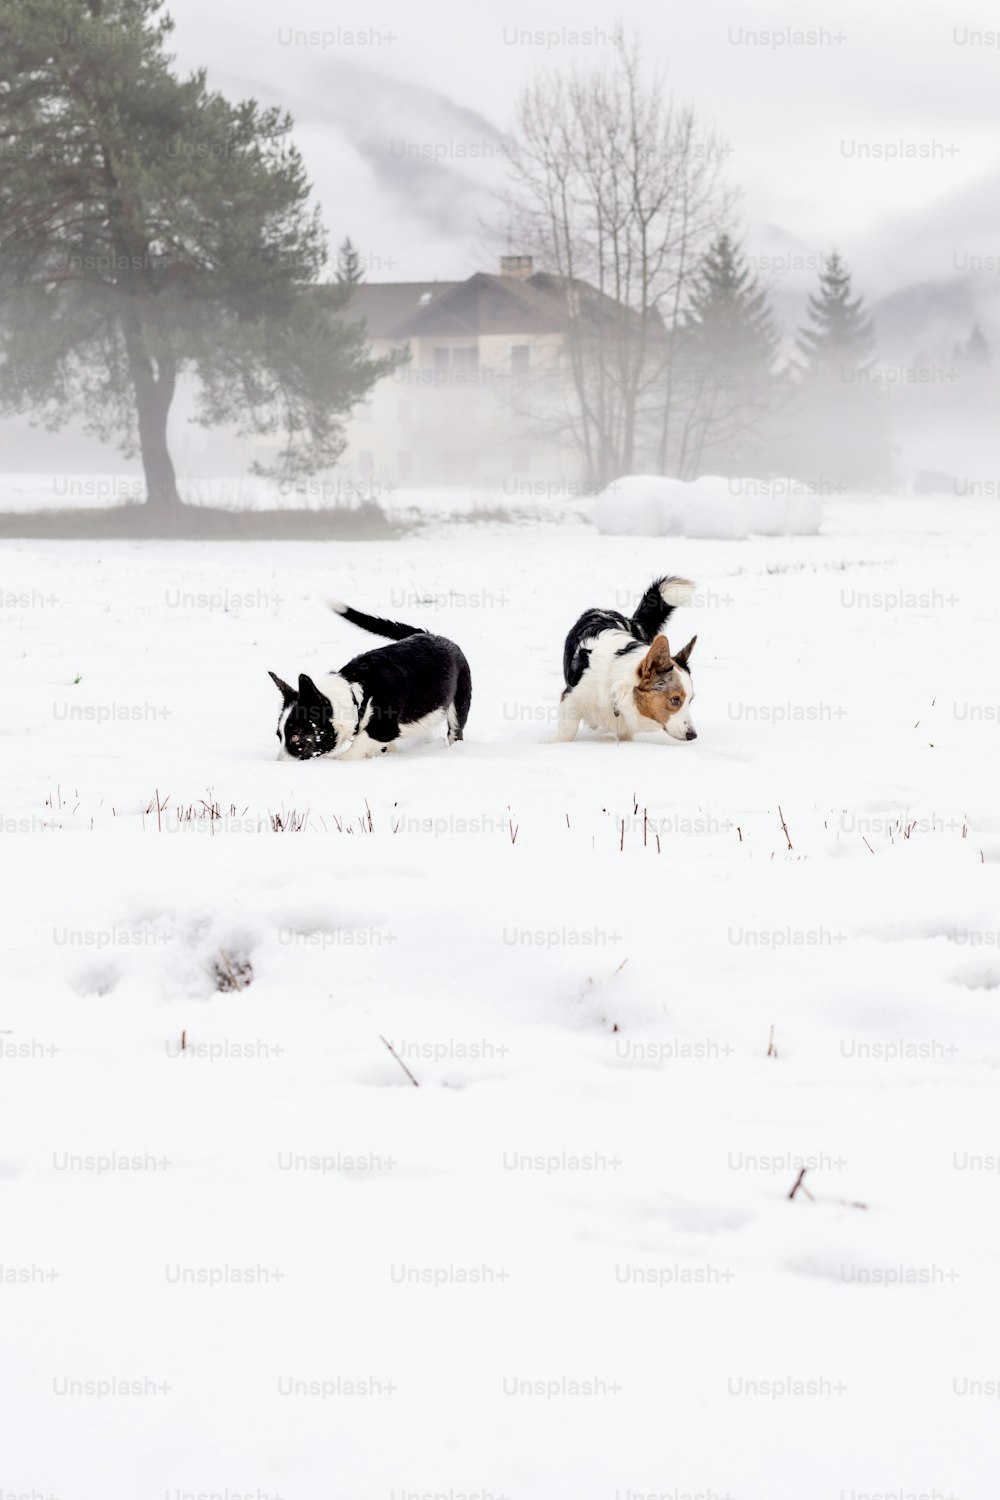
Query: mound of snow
pixel 710 508
pixel 714 507
pixel 634 506
pixel 780 507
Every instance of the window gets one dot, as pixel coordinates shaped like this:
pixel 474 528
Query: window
pixel 404 466
pixel 366 461
pixel 465 360
pixel 455 362
pixel 520 361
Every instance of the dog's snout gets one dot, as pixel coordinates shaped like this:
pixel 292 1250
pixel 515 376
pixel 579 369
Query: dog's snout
pixel 692 734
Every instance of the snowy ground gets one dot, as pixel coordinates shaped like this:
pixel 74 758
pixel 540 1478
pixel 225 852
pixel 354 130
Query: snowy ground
pixel 566 1265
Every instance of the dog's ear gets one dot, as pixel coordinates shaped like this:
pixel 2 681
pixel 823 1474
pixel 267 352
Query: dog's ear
pixel 682 658
pixel 656 664
pixel 288 694
pixel 308 691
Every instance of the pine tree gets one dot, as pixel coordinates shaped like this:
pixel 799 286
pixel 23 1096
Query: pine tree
pixel 842 338
pixel 728 350
pixel 349 268
pixel 977 349
pixel 150 229
pixel 728 319
pixel 840 433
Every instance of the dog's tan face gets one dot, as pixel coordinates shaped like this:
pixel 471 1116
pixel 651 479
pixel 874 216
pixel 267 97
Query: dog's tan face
pixel 664 689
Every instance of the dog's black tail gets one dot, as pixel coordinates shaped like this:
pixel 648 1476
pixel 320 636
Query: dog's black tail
pixel 659 602
pixel 391 629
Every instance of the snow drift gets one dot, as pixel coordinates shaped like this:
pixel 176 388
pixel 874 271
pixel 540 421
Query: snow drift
pixel 713 507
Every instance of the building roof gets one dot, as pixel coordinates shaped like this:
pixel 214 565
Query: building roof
pixel 385 305
pixel 483 303
pixel 477 306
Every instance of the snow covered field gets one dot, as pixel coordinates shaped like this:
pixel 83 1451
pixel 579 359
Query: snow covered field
pixel 565 1265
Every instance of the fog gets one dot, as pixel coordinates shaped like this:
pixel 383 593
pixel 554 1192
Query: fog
pixel 867 134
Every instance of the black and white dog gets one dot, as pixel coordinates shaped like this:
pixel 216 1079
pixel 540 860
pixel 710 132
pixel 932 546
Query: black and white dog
pixel 620 674
pixel 394 693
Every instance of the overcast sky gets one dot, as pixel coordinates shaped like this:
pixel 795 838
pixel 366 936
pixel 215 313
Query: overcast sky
pixel 797 116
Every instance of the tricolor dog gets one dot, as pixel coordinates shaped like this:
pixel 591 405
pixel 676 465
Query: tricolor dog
pixel 620 673
pixel 395 693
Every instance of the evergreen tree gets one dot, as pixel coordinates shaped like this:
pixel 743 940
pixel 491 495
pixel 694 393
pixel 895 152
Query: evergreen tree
pixel 149 228
pixel 728 350
pixel 841 338
pixel 349 268
pixel 977 350
pixel 840 434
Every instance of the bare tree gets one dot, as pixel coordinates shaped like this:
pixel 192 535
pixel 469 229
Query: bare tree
pixel 617 192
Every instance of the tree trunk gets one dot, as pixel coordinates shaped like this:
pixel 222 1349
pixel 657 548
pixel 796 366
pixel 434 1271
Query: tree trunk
pixel 153 398
pixel 154 392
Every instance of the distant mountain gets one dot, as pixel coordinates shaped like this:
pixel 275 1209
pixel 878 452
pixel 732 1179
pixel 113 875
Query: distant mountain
pixel 925 316
pixel 930 318
pixel 409 174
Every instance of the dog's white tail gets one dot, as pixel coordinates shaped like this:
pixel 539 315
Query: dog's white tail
pixel 659 602
pixel 675 591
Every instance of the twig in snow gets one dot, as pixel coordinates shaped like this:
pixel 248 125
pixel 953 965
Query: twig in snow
pixel 399 1060
pixel 772 1050
pixel 800 1184
pixel 784 826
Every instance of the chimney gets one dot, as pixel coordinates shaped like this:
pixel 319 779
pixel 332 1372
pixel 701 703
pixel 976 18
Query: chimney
pixel 517 265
